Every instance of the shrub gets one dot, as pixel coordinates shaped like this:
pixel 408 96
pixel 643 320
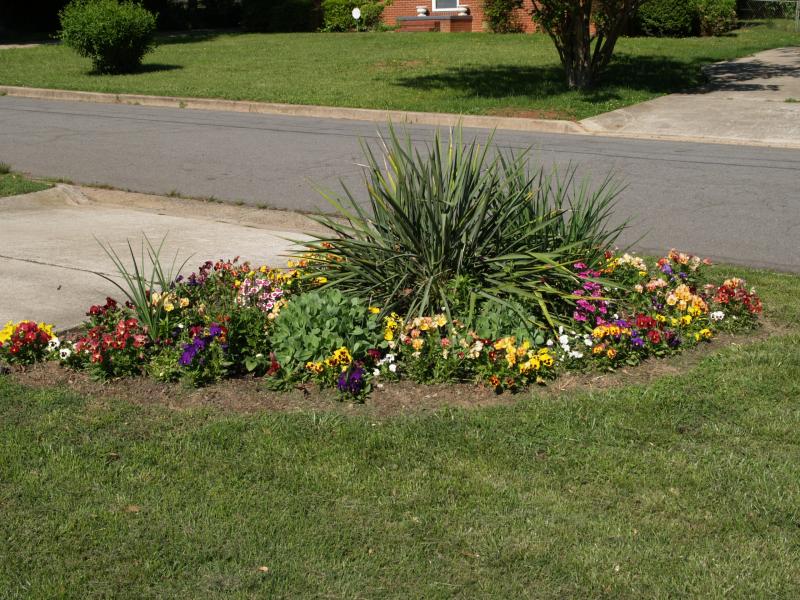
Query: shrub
pixel 115 36
pixel 501 17
pixel 716 16
pixel 337 15
pixel 452 214
pixel 315 325
pixel 677 18
pixel 279 15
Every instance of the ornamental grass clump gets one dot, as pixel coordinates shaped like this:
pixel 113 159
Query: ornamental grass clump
pixel 455 225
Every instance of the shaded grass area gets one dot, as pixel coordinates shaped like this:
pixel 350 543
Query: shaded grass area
pixel 688 486
pixel 12 184
pixel 459 73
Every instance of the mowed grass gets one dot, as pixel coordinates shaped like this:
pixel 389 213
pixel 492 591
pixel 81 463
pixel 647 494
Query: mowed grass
pixel 685 487
pixel 12 184
pixel 455 73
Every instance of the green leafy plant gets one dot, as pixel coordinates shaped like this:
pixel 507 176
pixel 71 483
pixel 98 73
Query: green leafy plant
pixel 337 15
pixel 115 36
pixel 716 16
pixel 501 16
pixel 453 213
pixel 138 287
pixel 494 321
pixel 315 324
pixel 672 18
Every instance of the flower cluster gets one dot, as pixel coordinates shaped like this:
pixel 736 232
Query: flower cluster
pixel 113 352
pixel 26 342
pixel 734 304
pixel 261 292
pixel 590 307
pixel 203 357
pixel 202 338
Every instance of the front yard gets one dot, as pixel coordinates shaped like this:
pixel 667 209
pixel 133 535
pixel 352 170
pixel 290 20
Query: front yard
pixel 455 73
pixel 682 486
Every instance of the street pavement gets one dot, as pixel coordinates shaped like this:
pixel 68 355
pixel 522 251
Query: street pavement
pixel 739 204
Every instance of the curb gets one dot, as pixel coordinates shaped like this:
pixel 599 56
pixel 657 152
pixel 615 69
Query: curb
pixel 300 110
pixel 586 127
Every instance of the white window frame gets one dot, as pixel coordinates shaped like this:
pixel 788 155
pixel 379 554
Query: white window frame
pixel 458 3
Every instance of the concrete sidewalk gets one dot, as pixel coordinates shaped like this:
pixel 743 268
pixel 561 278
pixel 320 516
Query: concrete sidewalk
pixel 746 101
pixel 49 256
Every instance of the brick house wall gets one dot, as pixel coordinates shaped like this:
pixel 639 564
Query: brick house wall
pixel 408 8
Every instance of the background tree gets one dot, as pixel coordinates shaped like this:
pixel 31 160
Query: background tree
pixel 585 33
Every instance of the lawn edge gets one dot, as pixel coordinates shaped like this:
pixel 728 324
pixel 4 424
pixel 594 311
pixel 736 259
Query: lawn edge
pixel 301 110
pixel 586 127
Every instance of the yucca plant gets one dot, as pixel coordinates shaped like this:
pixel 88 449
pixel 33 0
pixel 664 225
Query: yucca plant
pixel 138 286
pixel 456 213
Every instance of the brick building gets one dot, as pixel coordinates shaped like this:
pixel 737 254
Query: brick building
pixel 447 15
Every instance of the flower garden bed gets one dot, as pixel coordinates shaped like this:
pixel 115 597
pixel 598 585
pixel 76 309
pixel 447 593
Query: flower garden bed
pixel 467 269
pixel 220 323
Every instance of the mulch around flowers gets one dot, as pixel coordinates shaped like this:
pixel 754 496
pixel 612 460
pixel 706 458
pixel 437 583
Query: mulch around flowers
pixel 249 395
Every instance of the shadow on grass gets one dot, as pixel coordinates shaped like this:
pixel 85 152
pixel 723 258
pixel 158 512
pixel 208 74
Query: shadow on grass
pixel 656 74
pixel 141 70
pixel 167 38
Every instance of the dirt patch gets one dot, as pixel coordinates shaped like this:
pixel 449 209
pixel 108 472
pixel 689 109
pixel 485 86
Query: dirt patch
pixel 250 395
pixel 524 113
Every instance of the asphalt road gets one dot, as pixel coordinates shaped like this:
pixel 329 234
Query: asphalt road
pixel 733 203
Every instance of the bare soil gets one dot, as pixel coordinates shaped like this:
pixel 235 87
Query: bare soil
pixel 250 395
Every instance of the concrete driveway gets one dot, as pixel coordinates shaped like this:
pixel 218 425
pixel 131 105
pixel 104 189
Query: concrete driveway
pixel 49 257
pixel 753 99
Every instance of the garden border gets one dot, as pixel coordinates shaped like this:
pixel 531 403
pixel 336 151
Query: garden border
pixel 301 110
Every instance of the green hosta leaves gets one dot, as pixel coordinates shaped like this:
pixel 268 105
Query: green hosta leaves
pixel 313 325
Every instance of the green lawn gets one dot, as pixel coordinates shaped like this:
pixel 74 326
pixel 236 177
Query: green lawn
pixel 12 184
pixel 685 487
pixel 459 73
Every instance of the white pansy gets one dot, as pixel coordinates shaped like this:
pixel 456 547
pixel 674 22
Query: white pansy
pixel 64 353
pixel 53 344
pixel 393 367
pixel 376 372
pixel 717 315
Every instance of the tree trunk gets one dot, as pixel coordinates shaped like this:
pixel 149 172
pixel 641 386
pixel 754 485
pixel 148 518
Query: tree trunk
pixel 579 76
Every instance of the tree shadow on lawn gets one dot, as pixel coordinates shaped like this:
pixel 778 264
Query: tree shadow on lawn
pixel 168 38
pixel 142 70
pixel 656 74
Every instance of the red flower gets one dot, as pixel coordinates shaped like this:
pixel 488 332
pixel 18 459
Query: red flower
pixel 654 335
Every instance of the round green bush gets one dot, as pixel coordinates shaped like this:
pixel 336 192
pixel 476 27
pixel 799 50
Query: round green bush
pixel 674 18
pixel 115 36
pixel 716 16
